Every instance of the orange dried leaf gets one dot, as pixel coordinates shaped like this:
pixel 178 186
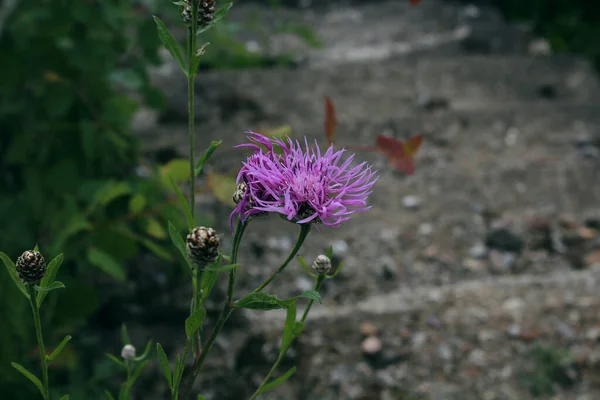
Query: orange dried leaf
pixel 400 154
pixel 330 120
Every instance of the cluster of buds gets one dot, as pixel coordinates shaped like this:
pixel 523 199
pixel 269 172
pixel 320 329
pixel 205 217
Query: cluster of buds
pixel 202 246
pixel 31 266
pixel 206 12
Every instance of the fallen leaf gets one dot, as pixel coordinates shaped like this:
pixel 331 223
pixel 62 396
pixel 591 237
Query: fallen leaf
pixel 330 120
pixel 400 153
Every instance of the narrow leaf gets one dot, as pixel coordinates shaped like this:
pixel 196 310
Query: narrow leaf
pixel 330 120
pixel 65 397
pixel 298 328
pixel 209 278
pixel 29 376
pixel 177 371
pixel 59 348
pixel 106 263
pixel 194 322
pixel 312 295
pixel 51 272
pixel 136 372
pixel 337 271
pixel 164 364
pixel 274 383
pixel 12 271
pixel 288 332
pixel 261 301
pixel 329 252
pixel 221 12
pixel 125 339
pixel 200 397
pixel 206 156
pixel 223 268
pixel 186 207
pixel 179 243
pixel 108 395
pixel 53 285
pixel 166 37
pixel 145 353
pixel 116 360
pixel 305 267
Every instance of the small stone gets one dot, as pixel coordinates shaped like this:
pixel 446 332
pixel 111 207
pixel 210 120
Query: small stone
pixel 444 352
pixel 503 240
pixel 478 358
pixel 478 251
pixel 303 284
pixel 565 330
pixel 540 47
pixel 514 331
pixel 371 345
pixel 593 334
pixel 514 306
pixel 339 247
pixel 592 258
pixel 434 322
pixel 501 260
pixel 587 233
pixel 411 201
pixel 473 265
pixel 425 229
pixel 419 339
pixel 367 328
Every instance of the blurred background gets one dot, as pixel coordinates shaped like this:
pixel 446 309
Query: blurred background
pixel 474 278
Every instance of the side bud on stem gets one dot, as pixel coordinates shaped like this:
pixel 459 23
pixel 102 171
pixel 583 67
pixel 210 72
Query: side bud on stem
pixel 202 246
pixel 322 265
pixel 31 266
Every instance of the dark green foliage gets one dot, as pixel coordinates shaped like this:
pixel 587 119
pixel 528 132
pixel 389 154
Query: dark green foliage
pixel 68 160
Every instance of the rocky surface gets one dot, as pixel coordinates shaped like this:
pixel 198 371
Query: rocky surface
pixel 475 278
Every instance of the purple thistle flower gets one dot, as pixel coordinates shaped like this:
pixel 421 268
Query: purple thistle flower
pixel 301 184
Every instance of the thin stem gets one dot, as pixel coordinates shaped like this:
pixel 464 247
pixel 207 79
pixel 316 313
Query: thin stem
pixel 40 339
pixel 304 231
pixel 191 47
pixel 265 381
pixel 225 313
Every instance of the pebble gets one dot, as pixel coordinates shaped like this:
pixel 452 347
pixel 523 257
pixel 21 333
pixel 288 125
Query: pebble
pixel 444 352
pixel 339 247
pixel 419 339
pixel 513 306
pixel 478 251
pixel 478 358
pixel 502 260
pixel 303 284
pixel 411 201
pixel 371 345
pixel 367 328
pixel 593 333
pixel 425 229
pixel 504 240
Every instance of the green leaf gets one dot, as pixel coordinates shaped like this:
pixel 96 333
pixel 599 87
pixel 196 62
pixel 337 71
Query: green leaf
pixel 53 285
pixel 137 203
pixel 194 322
pixel 312 295
pixel 305 267
pixel 106 263
pixel 164 364
pixel 108 395
pixel 262 301
pixel 298 328
pixel 51 272
pixel 158 251
pixel 125 339
pixel 145 353
pixel 65 397
pixel 337 271
pixel 110 191
pixel 288 331
pixel 59 348
pixel 179 243
pixel 200 397
pixel 196 61
pixel 274 383
pixel 166 37
pixel 186 207
pixel 207 154
pixel 329 252
pixel 155 228
pixel 209 278
pixel 29 376
pixel 12 271
pixel 177 371
pixel 136 372
pixel 116 360
pixel 223 268
pixel 221 12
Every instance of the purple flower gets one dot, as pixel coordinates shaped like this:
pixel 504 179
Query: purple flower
pixel 299 183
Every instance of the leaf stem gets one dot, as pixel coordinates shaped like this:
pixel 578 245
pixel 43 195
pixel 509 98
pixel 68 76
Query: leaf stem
pixel 318 284
pixel 304 231
pixel 40 339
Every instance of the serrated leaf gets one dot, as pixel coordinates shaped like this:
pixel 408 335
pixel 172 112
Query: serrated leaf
pixel 51 271
pixel 222 187
pixel 106 263
pixel 59 348
pixel 54 285
pixel 312 295
pixel 194 322
pixel 34 379
pixel 221 12
pixel 184 204
pixel 108 395
pixel 262 301
pixel 125 339
pixel 206 156
pixel 179 243
pixel 146 352
pixel 12 271
pixel 276 382
pixel 288 331
pixel 116 360
pixel 166 37
pixel 164 364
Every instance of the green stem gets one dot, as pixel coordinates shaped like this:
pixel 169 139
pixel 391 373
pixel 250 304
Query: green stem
pixel 304 231
pixel 225 313
pixel 38 330
pixel 265 381
pixel 191 47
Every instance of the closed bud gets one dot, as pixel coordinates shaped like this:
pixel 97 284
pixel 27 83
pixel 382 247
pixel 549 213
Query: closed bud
pixel 128 352
pixel 202 246
pixel 31 266
pixel 322 265
pixel 239 193
pixel 206 12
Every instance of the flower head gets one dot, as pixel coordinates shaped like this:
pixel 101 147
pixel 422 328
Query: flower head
pixel 301 183
pixel 202 245
pixel 31 266
pixel 128 352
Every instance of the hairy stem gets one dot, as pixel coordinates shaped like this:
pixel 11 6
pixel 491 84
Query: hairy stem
pixel 304 231
pixel 38 330
pixel 191 47
pixel 225 313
